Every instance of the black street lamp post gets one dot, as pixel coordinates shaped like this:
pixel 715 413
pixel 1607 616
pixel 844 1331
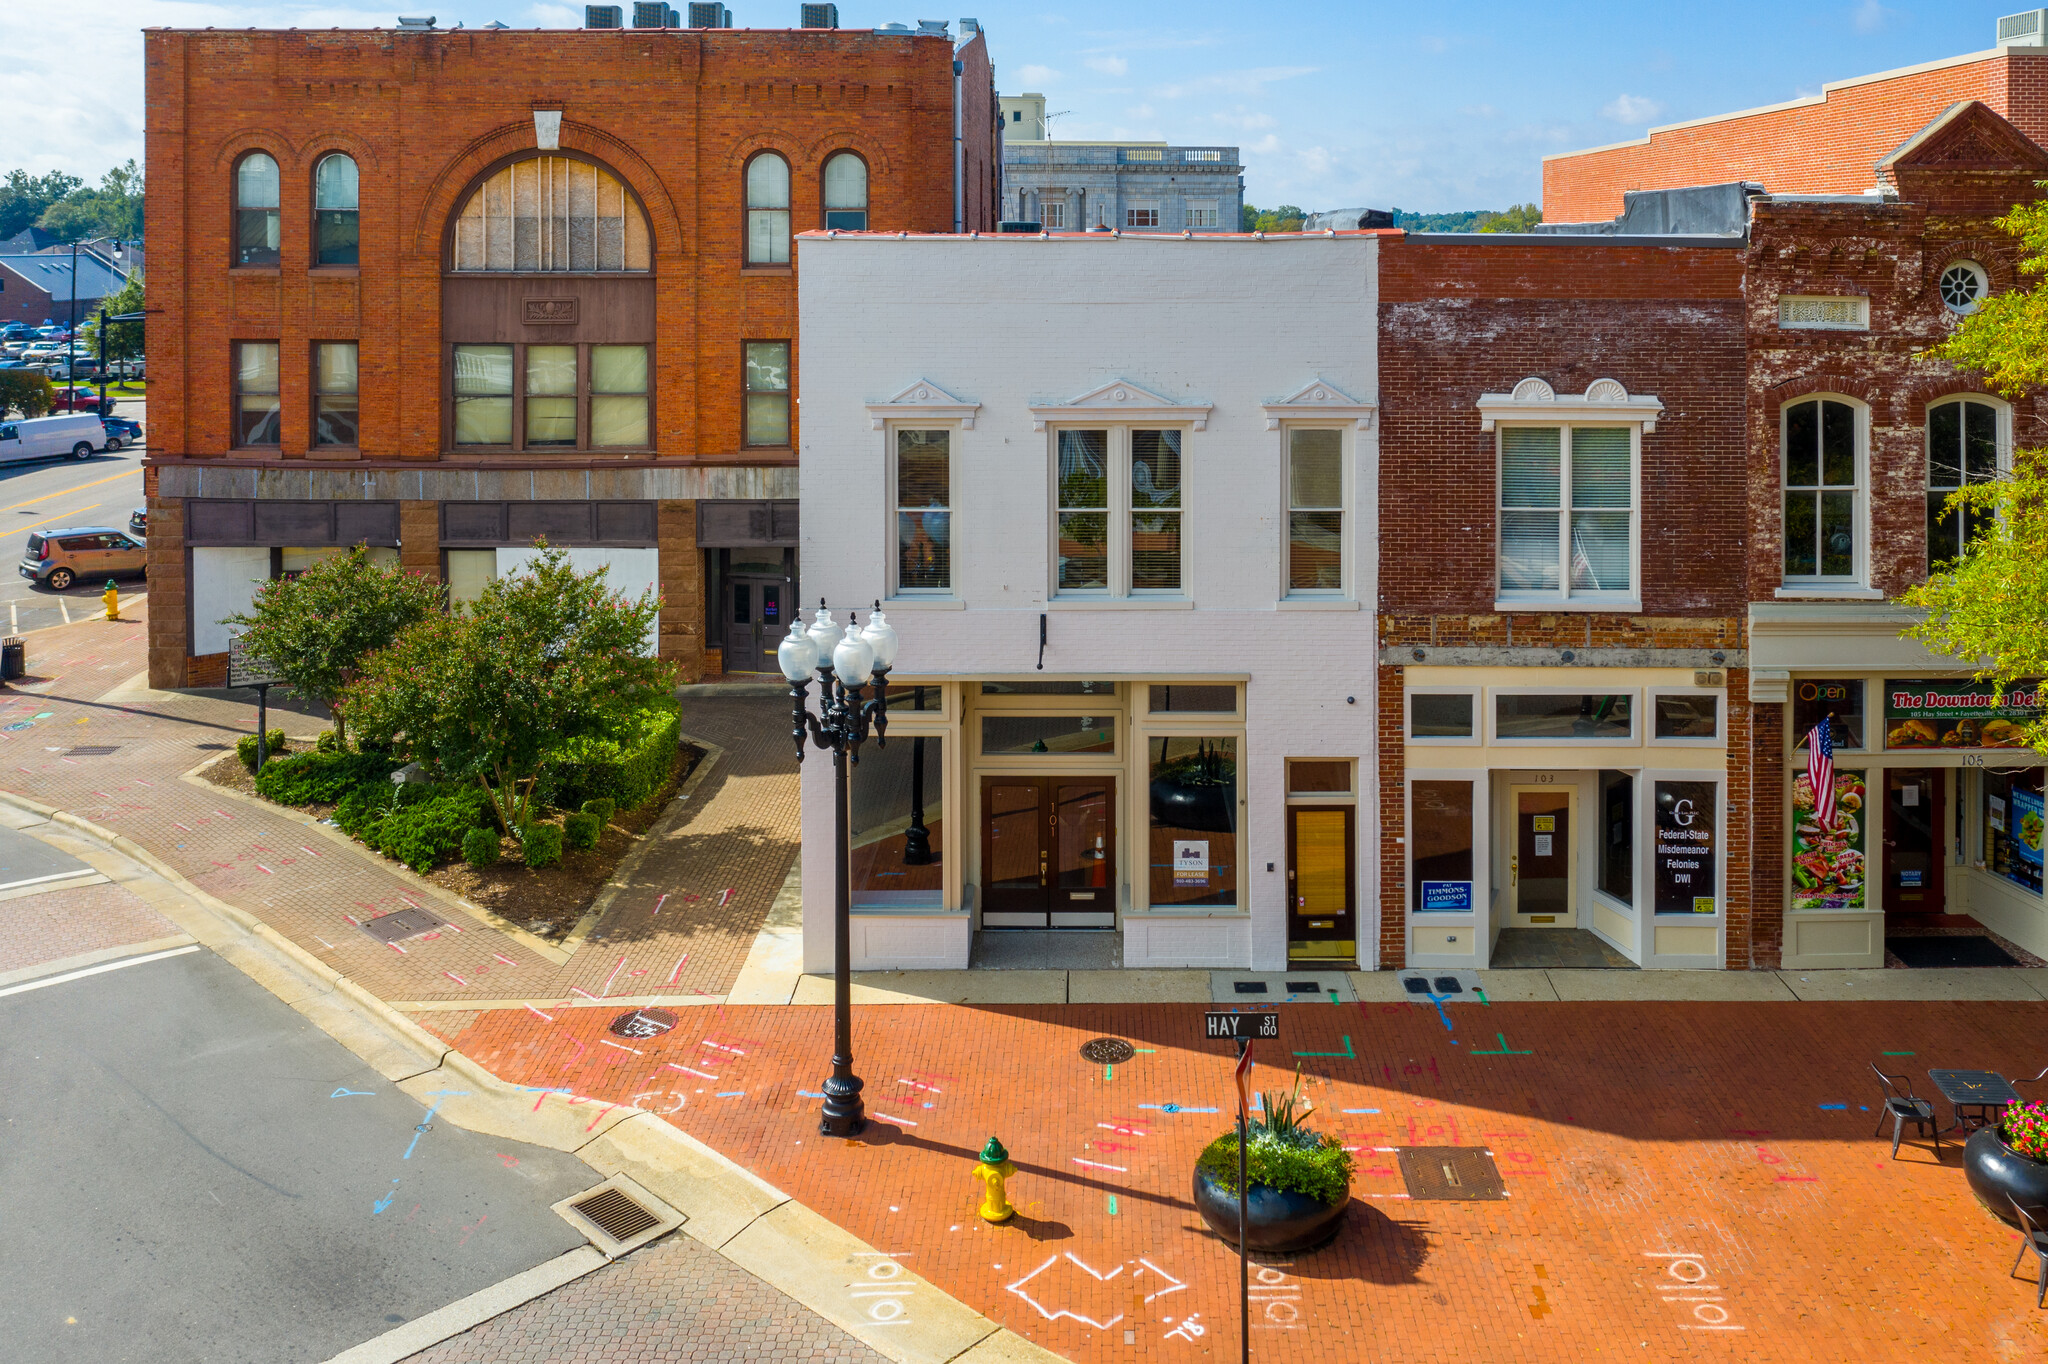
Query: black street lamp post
pixel 71 339
pixel 845 663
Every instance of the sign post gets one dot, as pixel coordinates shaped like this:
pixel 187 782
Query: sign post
pixel 250 671
pixel 1241 1028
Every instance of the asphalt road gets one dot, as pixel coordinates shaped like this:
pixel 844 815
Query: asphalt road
pixel 189 1171
pixel 60 493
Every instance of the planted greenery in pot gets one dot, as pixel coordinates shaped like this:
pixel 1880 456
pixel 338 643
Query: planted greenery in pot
pixel 1299 1180
pixel 2010 1161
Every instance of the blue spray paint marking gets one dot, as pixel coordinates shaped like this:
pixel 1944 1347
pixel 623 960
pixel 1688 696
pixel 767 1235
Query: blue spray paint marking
pixel 545 1089
pixel 385 1201
pixel 426 1123
pixel 732 1094
pixel 358 1093
pixel 805 1093
pixel 1361 1110
pixel 1838 1107
pixel 1442 1012
pixel 1176 1108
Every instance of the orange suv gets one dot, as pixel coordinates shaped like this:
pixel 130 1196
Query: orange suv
pixel 60 558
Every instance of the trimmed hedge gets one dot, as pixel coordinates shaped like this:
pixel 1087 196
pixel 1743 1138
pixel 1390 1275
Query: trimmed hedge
pixel 581 830
pixel 245 749
pixel 541 844
pixel 418 824
pixel 626 772
pixel 481 848
pixel 323 775
pixel 603 809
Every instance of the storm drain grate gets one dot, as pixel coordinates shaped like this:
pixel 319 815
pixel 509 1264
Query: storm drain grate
pixel 643 1023
pixel 1460 1173
pixel 1304 987
pixel 1249 987
pixel 1108 1051
pixel 90 751
pixel 616 1215
pixel 406 923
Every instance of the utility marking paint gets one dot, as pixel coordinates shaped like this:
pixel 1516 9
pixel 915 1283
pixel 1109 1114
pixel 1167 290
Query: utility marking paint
pixel 457 979
pixel 530 1009
pixel 741 1094
pixel 1837 1107
pixel 265 870
pixel 1096 1164
pixel 385 1201
pixel 343 1093
pixel 1112 1205
pixel 679 969
pixel 886 1118
pixel 1505 1049
pixel 502 957
pixel 1361 1110
pixel 707 1042
pixel 700 1074
pixel 621 1046
pixel 396 948
pixel 1898 1053
pixel 725 896
pixel 1109 1072
pixel 1347 1053
pixel 1177 1108
pixel 657 903
pixel 578 990
pixel 802 1093
pixel 304 849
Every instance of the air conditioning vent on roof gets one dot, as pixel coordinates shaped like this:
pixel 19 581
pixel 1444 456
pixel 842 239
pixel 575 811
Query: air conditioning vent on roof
pixel 703 15
pixel 818 16
pixel 653 14
pixel 933 26
pixel 2027 29
pixel 405 21
pixel 601 16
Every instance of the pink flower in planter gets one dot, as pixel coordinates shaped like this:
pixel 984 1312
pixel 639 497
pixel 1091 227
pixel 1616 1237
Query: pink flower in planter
pixel 2025 1128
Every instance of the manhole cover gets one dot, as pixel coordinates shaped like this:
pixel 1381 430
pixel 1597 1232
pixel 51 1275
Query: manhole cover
pixel 1108 1051
pixel 1450 1172
pixel 89 751
pixel 642 1023
pixel 406 923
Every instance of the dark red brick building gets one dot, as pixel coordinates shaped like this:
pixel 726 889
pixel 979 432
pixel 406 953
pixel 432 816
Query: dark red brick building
pixel 441 292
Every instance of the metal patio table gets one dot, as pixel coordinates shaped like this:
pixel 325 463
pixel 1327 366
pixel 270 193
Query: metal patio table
pixel 1980 1090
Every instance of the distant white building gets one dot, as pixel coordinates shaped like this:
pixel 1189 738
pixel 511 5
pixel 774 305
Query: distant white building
pixel 1132 569
pixel 1128 186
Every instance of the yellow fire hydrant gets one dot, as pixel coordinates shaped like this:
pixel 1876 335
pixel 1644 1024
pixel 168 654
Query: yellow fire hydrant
pixel 993 1169
pixel 113 600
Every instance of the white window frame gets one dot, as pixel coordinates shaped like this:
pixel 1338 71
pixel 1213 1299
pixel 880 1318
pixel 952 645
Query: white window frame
pixel 1119 509
pixel 1208 206
pixel 1475 739
pixel 1857 581
pixel 1565 596
pixel 1052 209
pixel 1132 210
pixel 2002 412
pixel 1650 695
pixel 897 591
pixel 1347 458
pixel 1590 688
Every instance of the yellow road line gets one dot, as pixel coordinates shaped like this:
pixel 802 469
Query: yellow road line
pixel 68 491
pixel 91 506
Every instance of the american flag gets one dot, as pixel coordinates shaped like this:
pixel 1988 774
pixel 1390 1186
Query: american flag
pixel 1820 771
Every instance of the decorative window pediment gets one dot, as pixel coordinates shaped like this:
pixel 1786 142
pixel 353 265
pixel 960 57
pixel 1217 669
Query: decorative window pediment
pixel 924 401
pixel 1534 400
pixel 1319 399
pixel 1121 402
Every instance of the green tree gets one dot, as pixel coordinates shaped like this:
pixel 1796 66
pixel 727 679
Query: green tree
pixel 24 197
pixel 317 629
pixel 1517 218
pixel 112 210
pixel 544 655
pixel 1286 218
pixel 26 391
pixel 124 339
pixel 1988 605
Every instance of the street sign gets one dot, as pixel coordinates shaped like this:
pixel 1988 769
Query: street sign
pixel 249 670
pixel 1234 1026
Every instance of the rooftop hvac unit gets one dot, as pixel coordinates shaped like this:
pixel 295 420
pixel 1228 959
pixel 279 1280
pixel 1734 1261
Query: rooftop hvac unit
pixel 601 16
pixel 968 26
pixel 2026 29
pixel 711 15
pixel 653 14
pixel 818 16
pixel 933 26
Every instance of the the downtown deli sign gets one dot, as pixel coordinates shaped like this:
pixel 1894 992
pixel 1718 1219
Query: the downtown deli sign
pixel 1951 713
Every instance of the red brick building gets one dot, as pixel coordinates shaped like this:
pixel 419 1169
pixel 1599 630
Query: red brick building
pixel 1828 143
pixel 443 292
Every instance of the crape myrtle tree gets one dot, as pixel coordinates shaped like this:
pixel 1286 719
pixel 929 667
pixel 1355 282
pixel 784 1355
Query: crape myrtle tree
pixel 1989 605
pixel 316 628
pixel 480 694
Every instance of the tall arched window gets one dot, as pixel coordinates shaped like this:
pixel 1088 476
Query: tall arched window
pixel 767 210
pixel 846 193
pixel 256 227
pixel 550 213
pixel 1962 449
pixel 334 210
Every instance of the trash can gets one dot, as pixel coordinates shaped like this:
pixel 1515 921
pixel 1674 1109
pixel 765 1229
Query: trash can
pixel 13 658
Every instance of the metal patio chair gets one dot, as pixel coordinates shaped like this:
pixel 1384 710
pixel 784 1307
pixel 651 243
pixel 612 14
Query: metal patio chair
pixel 2034 1237
pixel 1902 1106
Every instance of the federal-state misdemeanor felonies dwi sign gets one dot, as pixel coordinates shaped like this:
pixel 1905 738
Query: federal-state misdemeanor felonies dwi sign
pixel 1236 1025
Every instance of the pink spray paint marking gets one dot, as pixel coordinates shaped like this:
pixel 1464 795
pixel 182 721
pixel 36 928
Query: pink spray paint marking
pixel 612 977
pixel 502 957
pixel 304 849
pixel 150 784
pixel 657 903
pixel 530 1009
pixel 457 979
pixel 396 948
pixel 223 814
pixel 579 990
pixel 186 827
pixel 265 870
pixel 722 1047
pixel 679 969
pixel 353 919
pixel 725 896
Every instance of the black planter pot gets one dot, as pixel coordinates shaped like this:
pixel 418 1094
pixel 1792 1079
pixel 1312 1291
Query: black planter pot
pixel 1276 1221
pixel 1997 1173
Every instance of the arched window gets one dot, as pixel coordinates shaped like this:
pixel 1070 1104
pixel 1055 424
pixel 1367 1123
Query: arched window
pixel 846 193
pixel 256 228
pixel 1962 449
pixel 767 210
pixel 550 213
pixel 334 210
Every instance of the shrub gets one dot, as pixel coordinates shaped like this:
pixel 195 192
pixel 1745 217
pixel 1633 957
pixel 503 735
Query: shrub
pixel 328 775
pixel 328 742
pixel 480 847
pixel 363 808
pixel 420 831
pixel 542 844
pixel 2025 1128
pixel 1321 1168
pixel 245 748
pixel 603 807
pixel 581 830
pixel 626 770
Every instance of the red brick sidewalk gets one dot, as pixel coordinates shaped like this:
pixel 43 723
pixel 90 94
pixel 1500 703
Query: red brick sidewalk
pixel 1687 1180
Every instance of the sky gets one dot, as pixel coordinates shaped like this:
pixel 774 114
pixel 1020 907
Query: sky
pixel 1429 108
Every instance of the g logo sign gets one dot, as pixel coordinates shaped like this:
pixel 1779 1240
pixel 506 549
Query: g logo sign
pixel 1683 812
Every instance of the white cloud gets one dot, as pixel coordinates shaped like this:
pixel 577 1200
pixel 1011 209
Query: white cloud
pixel 1265 146
pixel 1633 109
pixel 1036 75
pixel 1480 111
pixel 1140 111
pixel 554 16
pixel 1245 119
pixel 1870 16
pixel 1252 81
pixel 1107 66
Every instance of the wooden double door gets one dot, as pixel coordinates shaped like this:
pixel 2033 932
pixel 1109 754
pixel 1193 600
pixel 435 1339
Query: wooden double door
pixel 1048 852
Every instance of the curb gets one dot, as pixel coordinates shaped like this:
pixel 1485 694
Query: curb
pixel 726 1207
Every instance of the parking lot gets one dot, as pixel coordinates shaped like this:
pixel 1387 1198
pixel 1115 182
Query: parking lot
pixel 45 495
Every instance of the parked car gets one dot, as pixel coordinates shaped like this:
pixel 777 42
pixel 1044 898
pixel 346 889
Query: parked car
pixel 60 558
pixel 40 437
pixel 121 432
pixel 138 522
pixel 81 399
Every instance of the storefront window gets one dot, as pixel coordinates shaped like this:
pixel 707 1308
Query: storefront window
pixel 1194 823
pixel 1050 734
pixel 1827 858
pixel 1814 697
pixel 897 825
pixel 1562 717
pixel 1103 689
pixel 1199 698
pixel 2013 825
pixel 1440 846
pixel 1683 869
pixel 1688 716
pixel 1318 777
pixel 1618 835
pixel 1447 716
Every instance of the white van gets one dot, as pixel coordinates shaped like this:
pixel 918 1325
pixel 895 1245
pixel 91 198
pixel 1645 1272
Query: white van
pixel 75 434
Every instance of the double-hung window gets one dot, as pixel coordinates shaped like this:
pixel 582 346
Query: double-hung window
pixel 1052 212
pixel 1962 449
pixel 335 397
pixel 1823 492
pixel 256 393
pixel 551 397
pixel 924 518
pixel 1315 510
pixel 1118 519
pixel 768 210
pixel 767 393
pixel 1568 515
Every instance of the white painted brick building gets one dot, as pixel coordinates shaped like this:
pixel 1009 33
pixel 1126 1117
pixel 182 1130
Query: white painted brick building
pixel 1158 456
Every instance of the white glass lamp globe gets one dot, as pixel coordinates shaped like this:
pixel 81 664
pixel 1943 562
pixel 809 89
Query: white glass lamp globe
pixel 798 654
pixel 881 637
pixel 853 659
pixel 825 634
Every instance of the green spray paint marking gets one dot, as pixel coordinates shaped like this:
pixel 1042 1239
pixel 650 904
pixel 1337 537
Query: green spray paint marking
pixel 1112 1205
pixel 1505 1049
pixel 1347 1053
pixel 1109 1072
pixel 1333 998
pixel 1482 996
pixel 1146 1051
pixel 1898 1053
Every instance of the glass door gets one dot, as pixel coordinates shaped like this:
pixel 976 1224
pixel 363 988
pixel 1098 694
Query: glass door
pixel 1542 863
pixel 1014 863
pixel 1048 852
pixel 1913 841
pixel 1083 835
pixel 754 623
